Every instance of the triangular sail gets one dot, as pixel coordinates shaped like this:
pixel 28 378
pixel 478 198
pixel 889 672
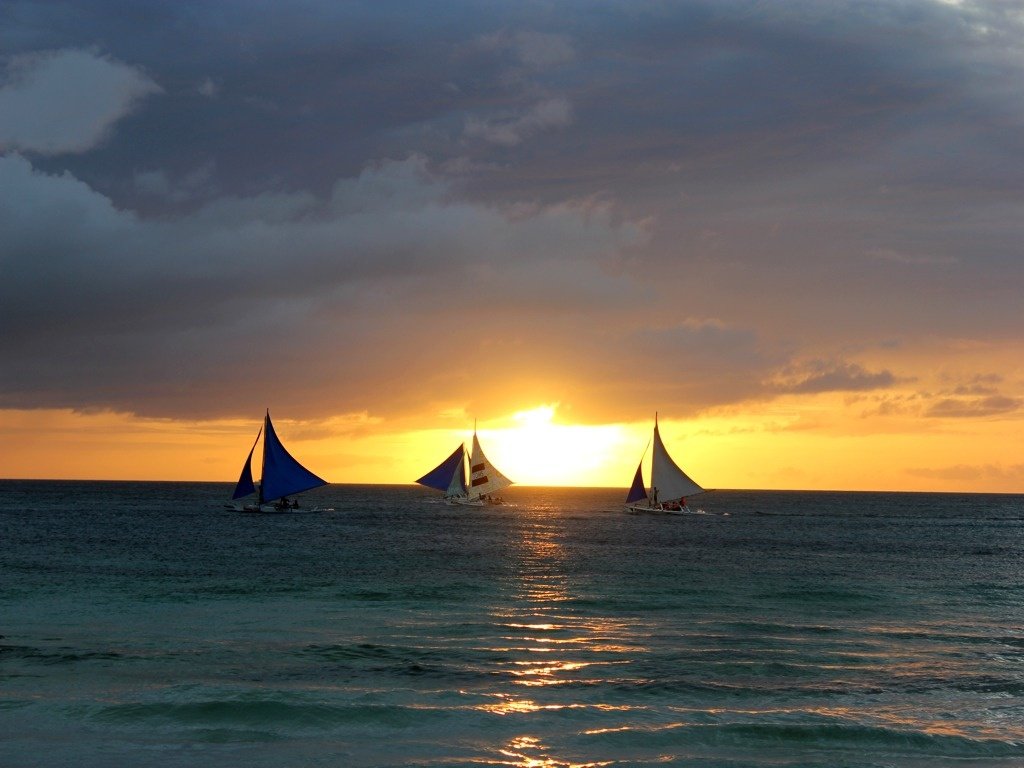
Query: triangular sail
pixel 637 490
pixel 669 480
pixel 484 478
pixel 282 474
pixel 245 486
pixel 458 487
pixel 450 475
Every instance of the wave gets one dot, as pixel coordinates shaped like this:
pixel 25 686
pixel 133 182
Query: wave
pixel 60 656
pixel 829 596
pixel 264 712
pixel 809 736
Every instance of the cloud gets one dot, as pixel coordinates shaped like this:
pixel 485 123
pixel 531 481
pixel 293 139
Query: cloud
pixel 818 376
pixel 648 358
pixel 535 50
pixel 973 474
pixel 974 407
pixel 369 285
pixel 672 204
pixel 66 101
pixel 208 88
pixel 909 259
pixel 512 130
pixel 157 184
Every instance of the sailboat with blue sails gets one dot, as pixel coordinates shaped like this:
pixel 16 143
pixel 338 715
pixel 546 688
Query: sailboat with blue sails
pixel 282 477
pixel 669 484
pixel 450 476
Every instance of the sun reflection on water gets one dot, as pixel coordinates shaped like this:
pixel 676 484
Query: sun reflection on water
pixel 507 705
pixel 551 648
pixel 518 747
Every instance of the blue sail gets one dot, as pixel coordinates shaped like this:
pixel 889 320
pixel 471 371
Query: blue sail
pixel 282 475
pixel 245 485
pixel 637 491
pixel 443 476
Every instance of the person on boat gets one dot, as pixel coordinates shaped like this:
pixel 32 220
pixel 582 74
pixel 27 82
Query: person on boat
pixel 682 503
pixel 654 496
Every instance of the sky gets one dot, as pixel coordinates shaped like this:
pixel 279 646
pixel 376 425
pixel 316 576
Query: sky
pixel 795 230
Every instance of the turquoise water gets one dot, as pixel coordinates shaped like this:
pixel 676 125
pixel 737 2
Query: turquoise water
pixel 144 626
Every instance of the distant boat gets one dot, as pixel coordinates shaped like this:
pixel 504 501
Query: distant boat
pixel 282 477
pixel 450 476
pixel 669 484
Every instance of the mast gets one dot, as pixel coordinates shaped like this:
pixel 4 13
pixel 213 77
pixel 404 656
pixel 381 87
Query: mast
pixel 263 472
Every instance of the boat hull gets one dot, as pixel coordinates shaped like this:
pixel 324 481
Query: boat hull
pixel 269 509
pixel 644 509
pixel 464 502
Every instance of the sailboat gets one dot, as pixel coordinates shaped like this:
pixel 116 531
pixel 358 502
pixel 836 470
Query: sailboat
pixel 669 484
pixel 282 477
pixel 484 479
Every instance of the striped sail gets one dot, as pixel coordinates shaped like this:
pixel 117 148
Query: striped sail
pixel 484 479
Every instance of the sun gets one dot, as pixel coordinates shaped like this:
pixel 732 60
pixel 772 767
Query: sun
pixel 532 448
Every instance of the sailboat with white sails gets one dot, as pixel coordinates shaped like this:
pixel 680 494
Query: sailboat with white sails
pixel 669 484
pixel 282 477
pixel 484 480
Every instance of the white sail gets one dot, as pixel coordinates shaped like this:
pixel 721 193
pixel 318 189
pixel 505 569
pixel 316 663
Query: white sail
pixel 457 487
pixel 484 479
pixel 668 481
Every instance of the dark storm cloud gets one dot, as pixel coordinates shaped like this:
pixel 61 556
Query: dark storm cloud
pixel 308 93
pixel 360 194
pixel 378 281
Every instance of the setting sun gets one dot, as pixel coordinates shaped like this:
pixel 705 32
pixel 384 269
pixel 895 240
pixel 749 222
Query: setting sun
pixel 534 449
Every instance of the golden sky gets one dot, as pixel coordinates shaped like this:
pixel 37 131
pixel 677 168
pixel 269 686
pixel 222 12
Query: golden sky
pixel 826 441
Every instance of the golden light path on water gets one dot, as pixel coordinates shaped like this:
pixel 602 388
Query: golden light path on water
pixel 566 645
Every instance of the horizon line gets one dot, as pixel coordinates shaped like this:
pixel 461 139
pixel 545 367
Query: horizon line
pixel 229 483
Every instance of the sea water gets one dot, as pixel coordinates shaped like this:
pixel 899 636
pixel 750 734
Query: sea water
pixel 144 625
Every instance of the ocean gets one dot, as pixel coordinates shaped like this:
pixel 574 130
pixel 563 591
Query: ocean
pixel 144 625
